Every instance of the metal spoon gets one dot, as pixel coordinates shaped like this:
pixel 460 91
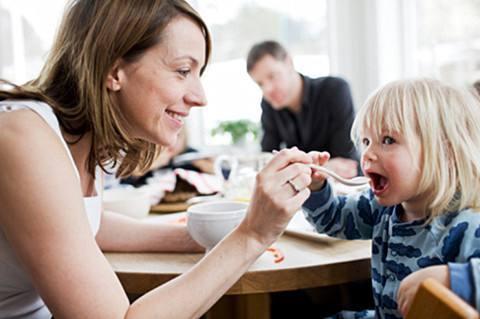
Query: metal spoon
pixel 356 181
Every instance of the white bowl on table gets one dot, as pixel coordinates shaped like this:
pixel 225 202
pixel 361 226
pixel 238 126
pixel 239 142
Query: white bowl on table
pixel 127 201
pixel 209 222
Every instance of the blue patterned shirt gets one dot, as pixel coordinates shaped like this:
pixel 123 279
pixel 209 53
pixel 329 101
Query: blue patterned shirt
pixel 398 248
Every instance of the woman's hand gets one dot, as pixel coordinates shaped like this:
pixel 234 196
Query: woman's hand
pixel 280 190
pixel 409 286
pixel 318 178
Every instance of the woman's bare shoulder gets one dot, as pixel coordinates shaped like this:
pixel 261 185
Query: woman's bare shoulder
pixel 43 216
pixel 21 122
pixel 29 147
pixel 25 130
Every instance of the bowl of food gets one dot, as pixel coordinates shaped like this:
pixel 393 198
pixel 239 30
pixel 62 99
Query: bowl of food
pixel 127 201
pixel 209 222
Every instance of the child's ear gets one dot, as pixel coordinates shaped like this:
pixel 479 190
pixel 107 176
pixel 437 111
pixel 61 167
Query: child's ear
pixel 114 76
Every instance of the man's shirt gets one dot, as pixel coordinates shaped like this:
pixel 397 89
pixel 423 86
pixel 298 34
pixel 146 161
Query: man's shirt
pixel 323 123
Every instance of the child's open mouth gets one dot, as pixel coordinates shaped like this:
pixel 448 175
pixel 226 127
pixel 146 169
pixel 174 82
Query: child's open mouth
pixel 379 183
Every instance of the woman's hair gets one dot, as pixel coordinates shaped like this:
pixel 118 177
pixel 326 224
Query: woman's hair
pixel 93 35
pixel 447 122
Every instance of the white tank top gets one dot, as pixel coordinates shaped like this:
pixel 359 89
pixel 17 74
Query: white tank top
pixel 18 298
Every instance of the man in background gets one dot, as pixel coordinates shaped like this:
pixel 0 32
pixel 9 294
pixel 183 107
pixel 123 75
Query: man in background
pixel 312 114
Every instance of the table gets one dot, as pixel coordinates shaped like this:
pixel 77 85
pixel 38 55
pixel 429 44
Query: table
pixel 316 262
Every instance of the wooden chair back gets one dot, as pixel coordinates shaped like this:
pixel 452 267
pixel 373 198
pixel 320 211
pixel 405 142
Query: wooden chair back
pixel 433 300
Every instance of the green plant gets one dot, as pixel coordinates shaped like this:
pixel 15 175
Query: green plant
pixel 237 129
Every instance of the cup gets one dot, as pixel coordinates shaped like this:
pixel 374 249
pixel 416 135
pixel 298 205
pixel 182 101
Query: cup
pixel 209 222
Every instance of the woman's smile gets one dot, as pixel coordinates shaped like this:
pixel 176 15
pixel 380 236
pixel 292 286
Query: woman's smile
pixel 176 120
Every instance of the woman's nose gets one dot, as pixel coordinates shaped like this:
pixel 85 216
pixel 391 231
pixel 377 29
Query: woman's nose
pixel 196 95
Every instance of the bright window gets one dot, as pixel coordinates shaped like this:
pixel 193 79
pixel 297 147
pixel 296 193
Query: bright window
pixel 449 40
pixel 27 29
pixel 237 25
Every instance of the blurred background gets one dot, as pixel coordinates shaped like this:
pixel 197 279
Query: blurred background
pixel 367 42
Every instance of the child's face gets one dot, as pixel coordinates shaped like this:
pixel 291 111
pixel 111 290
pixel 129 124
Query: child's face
pixel 393 167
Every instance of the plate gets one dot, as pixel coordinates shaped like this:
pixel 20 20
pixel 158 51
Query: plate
pixel 300 227
pixel 165 208
pixel 190 156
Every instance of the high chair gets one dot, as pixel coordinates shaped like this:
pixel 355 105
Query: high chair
pixel 433 300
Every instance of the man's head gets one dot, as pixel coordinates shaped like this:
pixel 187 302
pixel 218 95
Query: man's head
pixel 271 67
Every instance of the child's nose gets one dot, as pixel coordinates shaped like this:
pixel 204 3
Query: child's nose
pixel 369 155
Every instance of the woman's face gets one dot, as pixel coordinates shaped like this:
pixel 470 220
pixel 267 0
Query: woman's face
pixel 156 92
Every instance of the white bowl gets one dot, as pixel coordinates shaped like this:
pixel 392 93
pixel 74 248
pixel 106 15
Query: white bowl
pixel 209 222
pixel 127 201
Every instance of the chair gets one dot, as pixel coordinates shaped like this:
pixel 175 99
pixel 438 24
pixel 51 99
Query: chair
pixel 433 300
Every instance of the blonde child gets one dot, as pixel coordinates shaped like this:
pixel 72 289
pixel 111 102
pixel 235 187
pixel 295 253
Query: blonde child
pixel 420 146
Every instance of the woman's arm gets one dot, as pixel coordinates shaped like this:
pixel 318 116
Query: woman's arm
pixel 272 206
pixel 142 235
pixel 43 218
pixel 44 221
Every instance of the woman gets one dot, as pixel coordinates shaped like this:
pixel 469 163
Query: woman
pixel 119 80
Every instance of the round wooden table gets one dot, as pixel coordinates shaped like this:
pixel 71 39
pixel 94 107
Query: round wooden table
pixel 318 261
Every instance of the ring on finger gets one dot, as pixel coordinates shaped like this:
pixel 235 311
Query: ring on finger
pixel 295 188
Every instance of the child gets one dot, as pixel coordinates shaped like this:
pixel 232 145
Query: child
pixel 420 146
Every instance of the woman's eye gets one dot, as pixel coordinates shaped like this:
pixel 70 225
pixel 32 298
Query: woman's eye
pixel 365 142
pixel 388 140
pixel 183 72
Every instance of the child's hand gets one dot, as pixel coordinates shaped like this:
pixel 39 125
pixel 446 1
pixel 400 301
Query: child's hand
pixel 318 178
pixel 409 286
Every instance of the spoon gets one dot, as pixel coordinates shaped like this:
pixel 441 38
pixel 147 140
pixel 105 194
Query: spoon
pixel 356 181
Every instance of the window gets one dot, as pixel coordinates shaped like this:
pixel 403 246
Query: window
pixel 235 27
pixel 448 40
pixel 26 33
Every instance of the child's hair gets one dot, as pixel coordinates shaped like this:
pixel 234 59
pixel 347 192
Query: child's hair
pixel 447 123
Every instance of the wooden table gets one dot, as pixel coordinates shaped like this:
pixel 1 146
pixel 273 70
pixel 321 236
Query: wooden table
pixel 318 262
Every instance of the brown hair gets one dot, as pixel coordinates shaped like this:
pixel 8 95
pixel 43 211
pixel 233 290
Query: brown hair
pixel 93 35
pixel 259 50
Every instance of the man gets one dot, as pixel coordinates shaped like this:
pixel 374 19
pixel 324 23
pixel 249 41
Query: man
pixel 312 114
